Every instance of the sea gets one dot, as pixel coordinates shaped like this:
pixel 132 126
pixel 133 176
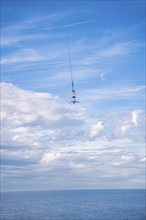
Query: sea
pixel 74 205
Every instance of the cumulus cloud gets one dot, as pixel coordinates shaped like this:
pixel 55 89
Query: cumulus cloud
pixel 135 116
pixel 132 122
pixel 28 116
pixel 22 107
pixel 49 157
pixel 42 135
pixel 35 119
pixel 96 129
pixel 125 127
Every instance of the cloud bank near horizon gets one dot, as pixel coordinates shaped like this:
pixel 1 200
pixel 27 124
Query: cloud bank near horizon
pixel 43 136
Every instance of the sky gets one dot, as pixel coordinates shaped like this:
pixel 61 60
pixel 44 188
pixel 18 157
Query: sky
pixel 47 143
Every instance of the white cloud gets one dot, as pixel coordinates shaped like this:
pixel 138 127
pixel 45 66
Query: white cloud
pixel 119 49
pixel 113 93
pixel 50 157
pixel 124 159
pixel 96 129
pixel 78 166
pixel 125 127
pixel 9 40
pixel 28 116
pixel 32 118
pixel 135 116
pixel 31 23
pixel 69 25
pixel 132 121
pixel 39 53
pixel 25 55
pixel 42 135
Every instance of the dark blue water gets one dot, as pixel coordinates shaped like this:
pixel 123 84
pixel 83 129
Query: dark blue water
pixel 74 205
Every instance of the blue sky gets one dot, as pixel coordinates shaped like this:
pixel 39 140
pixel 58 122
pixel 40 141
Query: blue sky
pixel 47 143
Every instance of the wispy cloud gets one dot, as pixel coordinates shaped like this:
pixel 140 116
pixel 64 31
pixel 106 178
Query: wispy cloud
pixel 69 25
pixel 25 55
pixel 84 56
pixel 31 23
pixel 27 30
pixel 119 49
pixel 11 40
pixel 115 92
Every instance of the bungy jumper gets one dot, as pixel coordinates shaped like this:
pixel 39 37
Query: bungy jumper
pixel 73 95
pixel 70 62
